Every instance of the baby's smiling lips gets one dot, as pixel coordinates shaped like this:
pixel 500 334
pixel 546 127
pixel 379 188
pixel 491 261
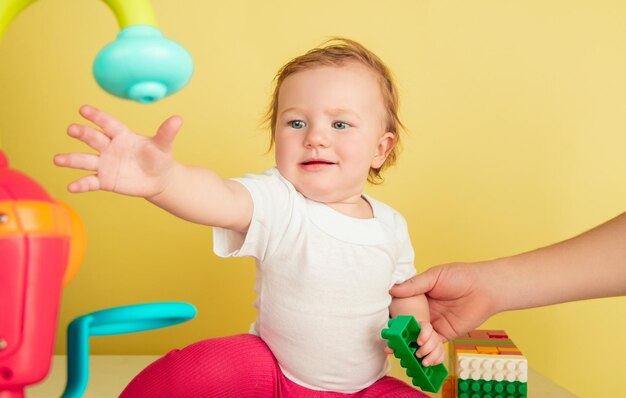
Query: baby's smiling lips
pixel 316 164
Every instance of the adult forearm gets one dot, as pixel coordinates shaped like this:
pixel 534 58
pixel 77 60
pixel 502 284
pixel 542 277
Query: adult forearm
pixel 590 265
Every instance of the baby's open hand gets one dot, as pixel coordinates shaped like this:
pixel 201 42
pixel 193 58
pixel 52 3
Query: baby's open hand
pixel 125 162
pixel 431 346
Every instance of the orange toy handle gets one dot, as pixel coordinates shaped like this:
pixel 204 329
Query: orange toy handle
pixel 78 243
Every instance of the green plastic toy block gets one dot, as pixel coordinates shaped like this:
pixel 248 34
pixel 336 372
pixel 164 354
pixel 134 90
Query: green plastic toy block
pixel 402 335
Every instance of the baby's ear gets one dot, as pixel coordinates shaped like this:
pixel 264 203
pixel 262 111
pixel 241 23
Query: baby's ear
pixel 384 147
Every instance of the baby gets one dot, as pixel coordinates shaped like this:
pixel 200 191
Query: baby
pixel 326 254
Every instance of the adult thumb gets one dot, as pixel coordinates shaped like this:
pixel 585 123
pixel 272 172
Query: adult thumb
pixel 419 284
pixel 167 132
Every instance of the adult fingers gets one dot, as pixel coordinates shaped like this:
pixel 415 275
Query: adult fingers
pixel 90 136
pixel 167 132
pixel 419 284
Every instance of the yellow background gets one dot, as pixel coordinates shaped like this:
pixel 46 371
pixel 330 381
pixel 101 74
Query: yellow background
pixel 516 113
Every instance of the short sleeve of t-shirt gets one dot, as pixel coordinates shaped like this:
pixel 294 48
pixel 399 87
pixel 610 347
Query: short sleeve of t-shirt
pixel 395 223
pixel 272 198
pixel 405 268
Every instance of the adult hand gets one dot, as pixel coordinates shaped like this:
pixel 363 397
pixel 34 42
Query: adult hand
pixel 458 294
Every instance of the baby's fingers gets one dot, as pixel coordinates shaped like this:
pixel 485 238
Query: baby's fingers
pixel 90 136
pixel 425 333
pixel 388 350
pixel 434 358
pixel 110 126
pixel 85 184
pixel 167 132
pixel 429 346
pixel 83 161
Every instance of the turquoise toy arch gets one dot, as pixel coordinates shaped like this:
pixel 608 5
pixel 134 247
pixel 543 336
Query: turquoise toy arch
pixel 140 64
pixel 112 321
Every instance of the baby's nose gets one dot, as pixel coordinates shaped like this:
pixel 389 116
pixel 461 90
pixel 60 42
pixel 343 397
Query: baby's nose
pixel 316 137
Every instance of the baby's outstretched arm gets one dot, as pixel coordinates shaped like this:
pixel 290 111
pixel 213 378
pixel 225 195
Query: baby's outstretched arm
pixel 430 342
pixel 132 164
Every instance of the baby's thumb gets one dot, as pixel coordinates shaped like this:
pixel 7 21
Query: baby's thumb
pixel 167 132
pixel 419 284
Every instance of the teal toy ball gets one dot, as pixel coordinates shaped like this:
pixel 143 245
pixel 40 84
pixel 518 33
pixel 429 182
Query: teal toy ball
pixel 142 65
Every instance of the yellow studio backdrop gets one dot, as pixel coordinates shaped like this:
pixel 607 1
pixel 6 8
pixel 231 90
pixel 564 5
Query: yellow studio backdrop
pixel 516 113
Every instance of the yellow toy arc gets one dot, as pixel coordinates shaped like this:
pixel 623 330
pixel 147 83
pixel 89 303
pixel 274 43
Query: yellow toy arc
pixel 127 12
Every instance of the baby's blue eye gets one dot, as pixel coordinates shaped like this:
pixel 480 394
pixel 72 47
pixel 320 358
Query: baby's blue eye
pixel 340 125
pixel 296 124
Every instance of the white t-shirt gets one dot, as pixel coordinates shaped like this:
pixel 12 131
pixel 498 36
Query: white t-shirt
pixel 322 282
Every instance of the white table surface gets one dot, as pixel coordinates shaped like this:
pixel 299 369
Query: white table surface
pixel 109 374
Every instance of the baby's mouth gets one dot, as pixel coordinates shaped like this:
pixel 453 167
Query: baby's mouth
pixel 315 165
pixel 312 162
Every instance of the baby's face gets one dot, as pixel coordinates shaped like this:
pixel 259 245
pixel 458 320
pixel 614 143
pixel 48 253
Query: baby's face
pixel 330 129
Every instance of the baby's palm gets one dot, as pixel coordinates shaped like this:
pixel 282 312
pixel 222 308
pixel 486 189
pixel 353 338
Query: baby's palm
pixel 133 165
pixel 127 163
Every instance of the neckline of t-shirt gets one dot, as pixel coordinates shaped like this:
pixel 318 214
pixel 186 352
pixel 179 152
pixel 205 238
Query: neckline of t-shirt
pixel 369 201
pixel 364 231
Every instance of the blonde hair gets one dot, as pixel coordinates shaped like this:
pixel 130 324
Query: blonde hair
pixel 337 52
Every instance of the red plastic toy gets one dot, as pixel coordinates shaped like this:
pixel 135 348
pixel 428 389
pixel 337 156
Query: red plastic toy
pixel 36 244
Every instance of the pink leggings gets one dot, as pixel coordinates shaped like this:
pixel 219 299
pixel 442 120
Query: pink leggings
pixel 240 367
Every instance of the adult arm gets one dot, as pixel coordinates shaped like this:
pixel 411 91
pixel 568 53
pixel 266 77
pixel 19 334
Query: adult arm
pixel 463 295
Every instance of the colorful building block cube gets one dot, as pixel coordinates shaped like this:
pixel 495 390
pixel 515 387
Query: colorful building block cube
pixel 486 364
